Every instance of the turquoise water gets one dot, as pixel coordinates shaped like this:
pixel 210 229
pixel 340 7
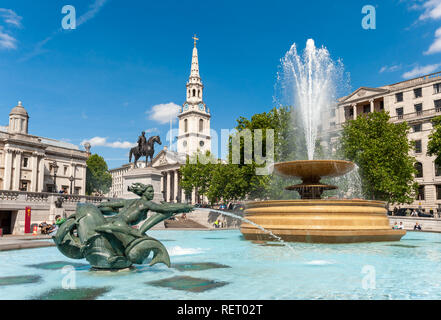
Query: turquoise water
pixel 239 269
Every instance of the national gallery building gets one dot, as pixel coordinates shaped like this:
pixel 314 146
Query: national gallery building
pixel 37 164
pixel 416 101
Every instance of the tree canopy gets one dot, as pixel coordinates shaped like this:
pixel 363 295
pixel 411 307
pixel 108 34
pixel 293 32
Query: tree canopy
pixel 381 151
pixel 98 178
pixel 434 144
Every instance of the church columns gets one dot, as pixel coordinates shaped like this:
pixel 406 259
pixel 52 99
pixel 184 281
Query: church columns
pixel 167 198
pixel 162 187
pixel 175 185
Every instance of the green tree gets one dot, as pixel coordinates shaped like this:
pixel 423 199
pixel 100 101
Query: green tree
pixel 381 151
pixel 434 144
pixel 98 178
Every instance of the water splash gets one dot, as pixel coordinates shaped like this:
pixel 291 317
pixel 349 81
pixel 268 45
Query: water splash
pixel 310 83
pixel 277 238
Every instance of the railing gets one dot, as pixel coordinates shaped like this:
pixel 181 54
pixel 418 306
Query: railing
pixel 47 196
pixel 416 115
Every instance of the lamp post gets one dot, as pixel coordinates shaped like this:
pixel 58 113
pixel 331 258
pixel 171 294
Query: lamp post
pixel 71 179
pixel 55 167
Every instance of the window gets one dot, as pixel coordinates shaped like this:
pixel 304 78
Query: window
pixel 201 143
pixel 419 109
pixel 381 105
pixel 417 127
pixel 201 125
pixel 65 170
pixel 418 147
pixel 420 195
pixel 77 190
pixel 194 92
pixel 436 88
pixel 185 125
pixel 438 192
pixel 23 186
pixel 399 97
pixel 419 169
pixel 366 108
pixel 332 113
pixel 437 170
pixel 332 124
pixel 399 113
pixel 437 105
pixel 25 162
pixel 418 92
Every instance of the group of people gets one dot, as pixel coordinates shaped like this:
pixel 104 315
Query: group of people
pixel 218 223
pixel 400 226
pixel 51 229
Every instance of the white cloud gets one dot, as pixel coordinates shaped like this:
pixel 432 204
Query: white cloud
pixel 10 17
pixel 102 142
pixel 162 113
pixel 150 130
pixel 436 44
pixel 390 69
pixel 419 71
pixel 432 10
pixel 7 41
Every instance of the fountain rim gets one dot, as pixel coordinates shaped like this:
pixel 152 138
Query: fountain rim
pixel 315 162
pixel 314 202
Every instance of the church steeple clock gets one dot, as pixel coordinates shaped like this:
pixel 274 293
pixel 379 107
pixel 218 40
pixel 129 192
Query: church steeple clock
pixel 194 118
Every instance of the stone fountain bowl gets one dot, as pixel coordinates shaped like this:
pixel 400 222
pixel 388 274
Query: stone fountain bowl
pixel 313 170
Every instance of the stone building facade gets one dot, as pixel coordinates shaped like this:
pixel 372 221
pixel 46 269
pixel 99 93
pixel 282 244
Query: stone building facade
pixel 38 164
pixel 416 101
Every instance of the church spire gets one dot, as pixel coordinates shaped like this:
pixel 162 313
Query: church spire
pixel 194 62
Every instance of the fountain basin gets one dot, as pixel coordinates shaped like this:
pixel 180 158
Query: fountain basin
pixel 320 221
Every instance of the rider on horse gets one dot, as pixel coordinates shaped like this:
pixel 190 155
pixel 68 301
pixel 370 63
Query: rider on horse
pixel 142 142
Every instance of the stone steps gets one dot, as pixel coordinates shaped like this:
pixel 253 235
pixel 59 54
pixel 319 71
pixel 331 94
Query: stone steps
pixel 181 223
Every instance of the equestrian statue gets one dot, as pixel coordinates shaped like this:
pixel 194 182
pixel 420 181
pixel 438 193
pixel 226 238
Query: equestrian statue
pixel 145 148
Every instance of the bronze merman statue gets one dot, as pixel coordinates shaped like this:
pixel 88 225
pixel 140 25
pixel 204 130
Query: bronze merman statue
pixel 112 242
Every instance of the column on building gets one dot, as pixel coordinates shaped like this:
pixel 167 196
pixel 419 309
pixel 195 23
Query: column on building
pixel 83 181
pixel 175 186
pixel 73 172
pixel 168 193
pixel 8 169
pixel 40 187
pixel 17 170
pixel 34 179
pixel 371 101
pixel 163 186
pixel 354 107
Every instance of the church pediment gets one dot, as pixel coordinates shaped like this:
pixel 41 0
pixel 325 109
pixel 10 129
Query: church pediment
pixel 363 93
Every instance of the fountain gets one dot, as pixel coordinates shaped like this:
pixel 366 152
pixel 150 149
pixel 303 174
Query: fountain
pixel 311 80
pixel 313 219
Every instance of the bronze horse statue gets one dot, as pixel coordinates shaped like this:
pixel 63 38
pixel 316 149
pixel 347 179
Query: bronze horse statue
pixel 147 150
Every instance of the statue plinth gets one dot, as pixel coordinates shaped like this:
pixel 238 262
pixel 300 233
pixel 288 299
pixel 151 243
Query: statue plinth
pixel 147 175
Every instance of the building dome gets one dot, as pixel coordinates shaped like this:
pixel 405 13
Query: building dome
pixel 19 110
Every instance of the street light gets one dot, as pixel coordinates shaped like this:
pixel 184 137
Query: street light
pixel 71 179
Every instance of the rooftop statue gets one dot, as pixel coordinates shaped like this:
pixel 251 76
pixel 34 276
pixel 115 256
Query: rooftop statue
pixel 105 236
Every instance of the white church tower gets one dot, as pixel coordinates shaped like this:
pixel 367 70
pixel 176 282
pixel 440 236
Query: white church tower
pixel 194 118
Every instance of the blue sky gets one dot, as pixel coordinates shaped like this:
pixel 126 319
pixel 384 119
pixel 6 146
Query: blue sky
pixel 102 79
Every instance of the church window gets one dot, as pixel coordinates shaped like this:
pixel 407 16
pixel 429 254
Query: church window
pixel 201 125
pixel 199 93
pixel 185 125
pixel 194 92
pixel 25 162
pixel 201 143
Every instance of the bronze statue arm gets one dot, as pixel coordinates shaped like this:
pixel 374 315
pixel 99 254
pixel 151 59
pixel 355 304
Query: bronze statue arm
pixel 163 212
